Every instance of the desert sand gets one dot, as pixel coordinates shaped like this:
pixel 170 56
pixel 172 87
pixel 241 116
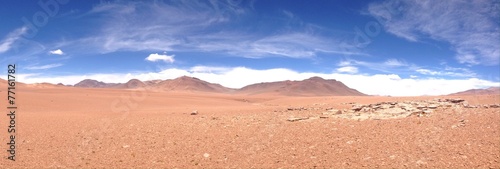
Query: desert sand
pixel 74 127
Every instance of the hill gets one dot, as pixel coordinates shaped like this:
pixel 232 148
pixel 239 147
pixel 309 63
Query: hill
pixel 186 83
pixel 488 91
pixel 315 86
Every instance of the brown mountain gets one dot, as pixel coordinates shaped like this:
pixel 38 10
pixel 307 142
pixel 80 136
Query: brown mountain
pixel 131 84
pixel 89 83
pixel 488 91
pixel 314 86
pixel 186 83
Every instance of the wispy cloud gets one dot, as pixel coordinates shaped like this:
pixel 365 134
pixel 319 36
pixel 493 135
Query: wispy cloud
pixel 44 67
pixel 56 52
pixel 199 27
pixel 388 66
pixel 8 41
pixel 402 67
pixel 394 63
pixel 158 57
pixel 470 26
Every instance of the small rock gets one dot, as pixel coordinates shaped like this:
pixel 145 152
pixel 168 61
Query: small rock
pixel 125 146
pixel 469 106
pixel 494 106
pixel 420 106
pixel 293 119
pixel 357 107
pixel 457 100
pixel 432 106
pixel 194 112
pixel 206 155
pixel 334 111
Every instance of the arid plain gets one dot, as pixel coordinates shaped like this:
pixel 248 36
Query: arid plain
pixel 142 127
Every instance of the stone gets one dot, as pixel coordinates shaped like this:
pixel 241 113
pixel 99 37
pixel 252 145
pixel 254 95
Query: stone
pixel 194 112
pixel 335 111
pixel 357 107
pixel 457 100
pixel 432 106
pixel 494 106
pixel 469 106
pixel 294 119
pixel 420 106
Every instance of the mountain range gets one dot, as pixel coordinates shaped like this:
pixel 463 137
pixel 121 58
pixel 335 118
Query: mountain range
pixel 314 86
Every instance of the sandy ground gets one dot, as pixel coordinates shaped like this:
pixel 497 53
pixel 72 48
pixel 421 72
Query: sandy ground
pixel 110 128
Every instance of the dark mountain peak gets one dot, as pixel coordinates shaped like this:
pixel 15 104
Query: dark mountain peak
pixel 316 78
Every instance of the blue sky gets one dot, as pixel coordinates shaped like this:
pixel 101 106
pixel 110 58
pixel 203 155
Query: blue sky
pixel 383 47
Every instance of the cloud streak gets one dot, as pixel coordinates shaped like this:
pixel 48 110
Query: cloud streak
pixel 44 67
pixel 11 38
pixel 471 27
pixel 402 67
pixel 195 26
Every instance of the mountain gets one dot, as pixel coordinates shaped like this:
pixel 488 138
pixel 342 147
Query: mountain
pixel 315 86
pixel 89 83
pixel 488 91
pixel 131 84
pixel 186 83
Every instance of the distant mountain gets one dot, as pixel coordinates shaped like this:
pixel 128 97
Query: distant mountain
pixel 488 91
pixel 186 83
pixel 90 83
pixel 315 86
pixel 183 83
pixel 131 84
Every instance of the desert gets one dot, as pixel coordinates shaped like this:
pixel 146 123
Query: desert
pixel 141 127
pixel 250 84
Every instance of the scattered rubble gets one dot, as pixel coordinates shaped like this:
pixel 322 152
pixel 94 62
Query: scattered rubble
pixel 388 110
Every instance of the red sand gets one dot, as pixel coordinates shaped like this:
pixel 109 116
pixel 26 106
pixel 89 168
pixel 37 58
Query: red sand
pixel 108 128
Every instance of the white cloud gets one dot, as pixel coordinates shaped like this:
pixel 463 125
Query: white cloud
pixel 348 69
pixel 237 77
pixel 56 52
pixel 6 44
pixel 471 27
pixel 44 67
pixel 157 57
